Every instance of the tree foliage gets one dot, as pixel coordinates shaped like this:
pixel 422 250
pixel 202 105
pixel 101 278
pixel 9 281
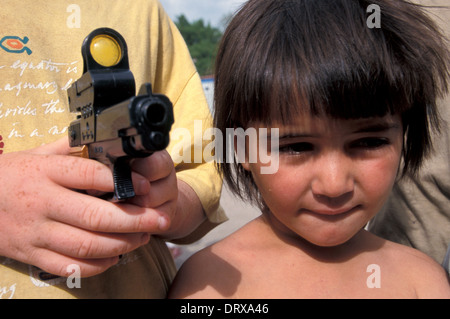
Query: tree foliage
pixel 202 40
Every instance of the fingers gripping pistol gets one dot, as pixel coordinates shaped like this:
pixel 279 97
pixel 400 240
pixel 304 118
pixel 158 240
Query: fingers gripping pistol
pixel 113 125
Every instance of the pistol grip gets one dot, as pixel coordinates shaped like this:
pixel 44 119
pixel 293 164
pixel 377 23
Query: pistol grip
pixel 123 184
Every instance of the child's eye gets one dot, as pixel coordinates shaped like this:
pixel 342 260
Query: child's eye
pixel 296 148
pixel 370 143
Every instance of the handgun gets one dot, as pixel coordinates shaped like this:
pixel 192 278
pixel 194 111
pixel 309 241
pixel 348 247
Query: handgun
pixel 113 124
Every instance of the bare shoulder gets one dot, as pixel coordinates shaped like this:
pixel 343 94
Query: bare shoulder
pixel 428 277
pixel 205 275
pixel 213 272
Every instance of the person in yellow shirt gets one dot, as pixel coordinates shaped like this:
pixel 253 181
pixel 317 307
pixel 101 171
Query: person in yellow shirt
pixel 49 233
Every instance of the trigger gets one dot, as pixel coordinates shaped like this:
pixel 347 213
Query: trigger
pixel 123 185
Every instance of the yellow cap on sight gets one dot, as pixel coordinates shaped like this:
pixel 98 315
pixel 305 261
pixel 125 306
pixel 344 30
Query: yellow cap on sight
pixel 105 50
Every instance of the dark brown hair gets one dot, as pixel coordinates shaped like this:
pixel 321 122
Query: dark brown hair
pixel 279 58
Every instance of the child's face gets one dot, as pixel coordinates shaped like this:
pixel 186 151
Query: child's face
pixel 333 176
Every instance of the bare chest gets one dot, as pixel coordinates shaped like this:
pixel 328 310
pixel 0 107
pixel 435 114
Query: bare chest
pixel 285 278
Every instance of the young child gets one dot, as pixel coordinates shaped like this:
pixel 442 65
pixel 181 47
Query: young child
pixel 355 104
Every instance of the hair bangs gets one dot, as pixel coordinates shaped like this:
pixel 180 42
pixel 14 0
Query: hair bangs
pixel 340 68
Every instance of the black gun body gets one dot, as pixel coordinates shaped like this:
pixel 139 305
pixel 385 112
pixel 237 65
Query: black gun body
pixel 135 128
pixel 114 124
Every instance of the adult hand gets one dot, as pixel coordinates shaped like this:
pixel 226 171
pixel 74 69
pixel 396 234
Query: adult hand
pixel 46 221
pixel 168 196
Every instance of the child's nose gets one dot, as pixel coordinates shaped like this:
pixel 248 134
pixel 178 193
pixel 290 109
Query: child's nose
pixel 333 176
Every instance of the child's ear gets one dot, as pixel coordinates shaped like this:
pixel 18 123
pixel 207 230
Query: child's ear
pixel 246 165
pixel 243 161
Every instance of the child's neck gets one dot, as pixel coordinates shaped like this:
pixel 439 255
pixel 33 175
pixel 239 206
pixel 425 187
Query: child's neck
pixel 361 242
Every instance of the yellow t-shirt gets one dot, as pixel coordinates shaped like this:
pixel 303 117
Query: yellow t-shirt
pixel 40 57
